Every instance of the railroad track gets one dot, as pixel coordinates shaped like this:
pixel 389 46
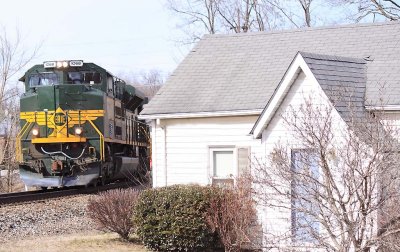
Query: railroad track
pixel 20 197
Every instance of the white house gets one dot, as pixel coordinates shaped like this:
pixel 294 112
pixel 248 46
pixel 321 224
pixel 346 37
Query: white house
pixel 223 103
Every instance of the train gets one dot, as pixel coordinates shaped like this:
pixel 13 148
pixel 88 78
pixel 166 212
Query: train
pixel 79 127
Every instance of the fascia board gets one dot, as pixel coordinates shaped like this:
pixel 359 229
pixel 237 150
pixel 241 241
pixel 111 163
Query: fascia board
pixel 200 114
pixel 275 101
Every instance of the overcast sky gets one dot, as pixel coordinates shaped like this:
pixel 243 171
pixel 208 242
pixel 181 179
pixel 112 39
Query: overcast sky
pixel 123 36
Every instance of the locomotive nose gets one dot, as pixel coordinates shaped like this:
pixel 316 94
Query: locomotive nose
pixel 48 98
pixel 64 96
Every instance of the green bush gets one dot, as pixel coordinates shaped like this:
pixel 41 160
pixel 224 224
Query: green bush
pixel 174 218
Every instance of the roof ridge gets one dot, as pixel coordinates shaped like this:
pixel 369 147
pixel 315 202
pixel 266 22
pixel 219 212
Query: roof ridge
pixel 303 29
pixel 332 57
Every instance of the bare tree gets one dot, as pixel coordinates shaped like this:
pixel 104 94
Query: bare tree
pixel 263 15
pixel 225 16
pixel 268 15
pixel 9 127
pixel 375 9
pixel 198 16
pixel 306 6
pixel 222 16
pixel 13 58
pixel 337 182
pixel 237 15
pixel 295 12
pixel 148 82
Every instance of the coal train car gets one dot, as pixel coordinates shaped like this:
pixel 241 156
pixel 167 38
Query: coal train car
pixel 79 126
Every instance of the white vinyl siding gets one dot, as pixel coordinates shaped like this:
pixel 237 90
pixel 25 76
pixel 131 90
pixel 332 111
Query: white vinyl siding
pixel 181 147
pixel 277 221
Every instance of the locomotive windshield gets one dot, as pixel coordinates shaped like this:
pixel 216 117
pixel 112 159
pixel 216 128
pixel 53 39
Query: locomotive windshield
pixel 83 77
pixel 43 79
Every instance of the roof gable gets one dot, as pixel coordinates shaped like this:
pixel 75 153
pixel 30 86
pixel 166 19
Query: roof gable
pixel 341 78
pixel 240 72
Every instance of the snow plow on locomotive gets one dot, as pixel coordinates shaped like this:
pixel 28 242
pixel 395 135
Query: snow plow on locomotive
pixel 79 127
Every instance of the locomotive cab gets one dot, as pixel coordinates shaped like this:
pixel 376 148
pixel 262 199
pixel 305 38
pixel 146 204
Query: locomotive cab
pixel 79 126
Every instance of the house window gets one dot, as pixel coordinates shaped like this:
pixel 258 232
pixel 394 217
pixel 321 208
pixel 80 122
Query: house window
pixel 227 163
pixel 223 165
pixel 304 191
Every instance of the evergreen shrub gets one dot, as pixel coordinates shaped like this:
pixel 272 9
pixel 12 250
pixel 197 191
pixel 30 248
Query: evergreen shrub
pixel 174 218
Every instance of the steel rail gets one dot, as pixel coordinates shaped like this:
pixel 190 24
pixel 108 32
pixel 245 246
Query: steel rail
pixel 30 196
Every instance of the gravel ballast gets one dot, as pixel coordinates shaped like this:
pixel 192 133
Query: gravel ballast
pixel 43 218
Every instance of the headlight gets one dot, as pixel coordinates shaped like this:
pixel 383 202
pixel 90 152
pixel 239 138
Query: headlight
pixel 78 130
pixel 35 131
pixel 65 64
pixel 59 64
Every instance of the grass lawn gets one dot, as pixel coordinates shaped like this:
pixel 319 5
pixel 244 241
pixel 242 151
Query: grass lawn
pixel 95 242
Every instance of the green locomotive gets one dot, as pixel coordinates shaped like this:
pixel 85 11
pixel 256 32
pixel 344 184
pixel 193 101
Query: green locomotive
pixel 79 126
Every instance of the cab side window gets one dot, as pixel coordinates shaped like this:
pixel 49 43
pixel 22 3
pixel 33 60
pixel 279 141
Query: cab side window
pixel 94 77
pixel 110 85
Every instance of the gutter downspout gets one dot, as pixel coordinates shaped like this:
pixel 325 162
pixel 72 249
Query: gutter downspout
pixel 154 153
pixel 164 136
pixel 165 155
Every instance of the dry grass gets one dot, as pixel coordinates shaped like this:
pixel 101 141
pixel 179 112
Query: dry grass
pixel 94 242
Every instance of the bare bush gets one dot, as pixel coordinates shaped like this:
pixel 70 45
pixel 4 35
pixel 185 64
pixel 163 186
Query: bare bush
pixel 113 210
pixel 8 131
pixel 232 213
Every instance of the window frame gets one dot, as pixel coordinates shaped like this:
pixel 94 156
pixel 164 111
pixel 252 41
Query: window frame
pixel 215 180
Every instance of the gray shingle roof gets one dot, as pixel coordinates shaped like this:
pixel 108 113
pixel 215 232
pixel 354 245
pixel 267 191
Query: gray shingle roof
pixel 241 71
pixel 343 80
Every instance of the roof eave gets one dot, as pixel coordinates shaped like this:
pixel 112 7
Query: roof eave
pixel 200 114
pixel 387 108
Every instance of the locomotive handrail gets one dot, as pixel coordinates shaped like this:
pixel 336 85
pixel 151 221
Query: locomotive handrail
pixel 101 140
pixel 18 141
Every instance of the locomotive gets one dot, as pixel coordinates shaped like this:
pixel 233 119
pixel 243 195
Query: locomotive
pixel 79 126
